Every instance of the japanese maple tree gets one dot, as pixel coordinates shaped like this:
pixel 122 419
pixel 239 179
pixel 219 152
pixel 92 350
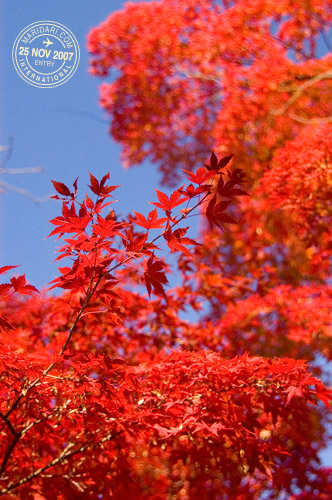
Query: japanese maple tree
pixel 107 393
pixel 126 386
pixel 250 79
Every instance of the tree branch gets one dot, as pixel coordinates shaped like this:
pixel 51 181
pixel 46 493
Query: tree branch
pixel 322 76
pixel 65 454
pixel 90 292
pixel 14 171
pixel 310 121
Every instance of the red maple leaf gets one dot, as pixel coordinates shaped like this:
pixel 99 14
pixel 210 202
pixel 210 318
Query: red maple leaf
pixel 154 276
pixel 201 175
pixel 216 165
pixel 20 286
pixel 191 191
pixel 215 213
pixel 152 221
pixel 168 203
pixel 176 241
pixel 100 188
pixel 61 188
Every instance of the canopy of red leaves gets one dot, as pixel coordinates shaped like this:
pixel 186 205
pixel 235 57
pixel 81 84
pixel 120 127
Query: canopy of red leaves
pixel 107 389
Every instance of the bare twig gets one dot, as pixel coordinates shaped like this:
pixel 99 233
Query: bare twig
pixel 90 292
pixel 17 171
pixel 24 192
pixel 310 121
pixel 322 76
pixel 9 424
pixel 217 77
pixel 64 455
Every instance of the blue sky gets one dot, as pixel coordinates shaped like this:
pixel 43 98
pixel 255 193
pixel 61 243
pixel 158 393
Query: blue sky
pixel 62 129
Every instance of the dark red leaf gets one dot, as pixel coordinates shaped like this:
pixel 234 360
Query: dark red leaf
pixel 61 188
pixel 94 186
pixel 154 276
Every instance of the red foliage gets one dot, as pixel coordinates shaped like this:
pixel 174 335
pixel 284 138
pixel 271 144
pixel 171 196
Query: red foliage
pixel 94 404
pixel 299 182
pixel 246 78
pixel 192 75
pixel 108 391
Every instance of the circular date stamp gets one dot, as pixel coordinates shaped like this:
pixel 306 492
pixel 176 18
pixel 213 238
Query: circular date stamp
pixel 46 54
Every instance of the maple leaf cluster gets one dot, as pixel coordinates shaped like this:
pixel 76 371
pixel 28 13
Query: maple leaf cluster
pixel 93 402
pixel 253 79
pixel 299 184
pixel 107 389
pixel 179 91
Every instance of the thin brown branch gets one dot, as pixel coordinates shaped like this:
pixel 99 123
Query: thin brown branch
pixel 198 75
pixel 90 292
pixel 9 424
pixel 9 452
pixel 87 300
pixel 65 454
pixel 19 435
pixel 310 121
pixel 322 76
